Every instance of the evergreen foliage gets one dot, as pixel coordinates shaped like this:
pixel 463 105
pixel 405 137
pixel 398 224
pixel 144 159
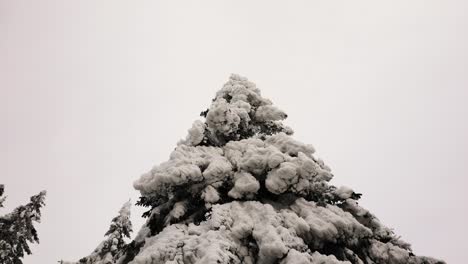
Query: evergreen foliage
pixel 17 229
pixel 114 246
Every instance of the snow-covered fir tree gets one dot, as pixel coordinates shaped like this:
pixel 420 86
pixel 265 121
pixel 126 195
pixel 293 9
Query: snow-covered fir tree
pixel 113 247
pixel 240 189
pixel 17 229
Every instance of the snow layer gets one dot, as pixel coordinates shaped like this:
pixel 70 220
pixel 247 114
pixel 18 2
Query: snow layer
pixel 237 232
pixel 296 257
pixel 286 167
pixel 254 232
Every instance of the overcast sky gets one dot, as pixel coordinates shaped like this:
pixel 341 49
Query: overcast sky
pixel 94 93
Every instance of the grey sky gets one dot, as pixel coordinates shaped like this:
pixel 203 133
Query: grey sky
pixel 93 94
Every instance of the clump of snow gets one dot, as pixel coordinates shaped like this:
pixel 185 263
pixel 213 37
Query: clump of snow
pixel 279 179
pixel 217 169
pixel 245 185
pixel 269 113
pixel 185 165
pixel 239 89
pixel 330 224
pixel 300 175
pixel 195 134
pixel 225 118
pixel 344 192
pixel 288 145
pixel 386 251
pixel 210 195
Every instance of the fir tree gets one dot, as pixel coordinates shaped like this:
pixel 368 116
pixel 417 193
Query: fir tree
pixel 241 189
pixel 17 228
pixel 114 246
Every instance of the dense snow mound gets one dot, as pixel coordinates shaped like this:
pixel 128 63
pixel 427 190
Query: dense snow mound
pixel 240 189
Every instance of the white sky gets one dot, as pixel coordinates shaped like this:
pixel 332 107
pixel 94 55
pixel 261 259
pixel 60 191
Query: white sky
pixel 94 93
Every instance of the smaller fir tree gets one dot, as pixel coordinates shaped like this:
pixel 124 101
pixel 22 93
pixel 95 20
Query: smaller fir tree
pixel 111 249
pixel 17 228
